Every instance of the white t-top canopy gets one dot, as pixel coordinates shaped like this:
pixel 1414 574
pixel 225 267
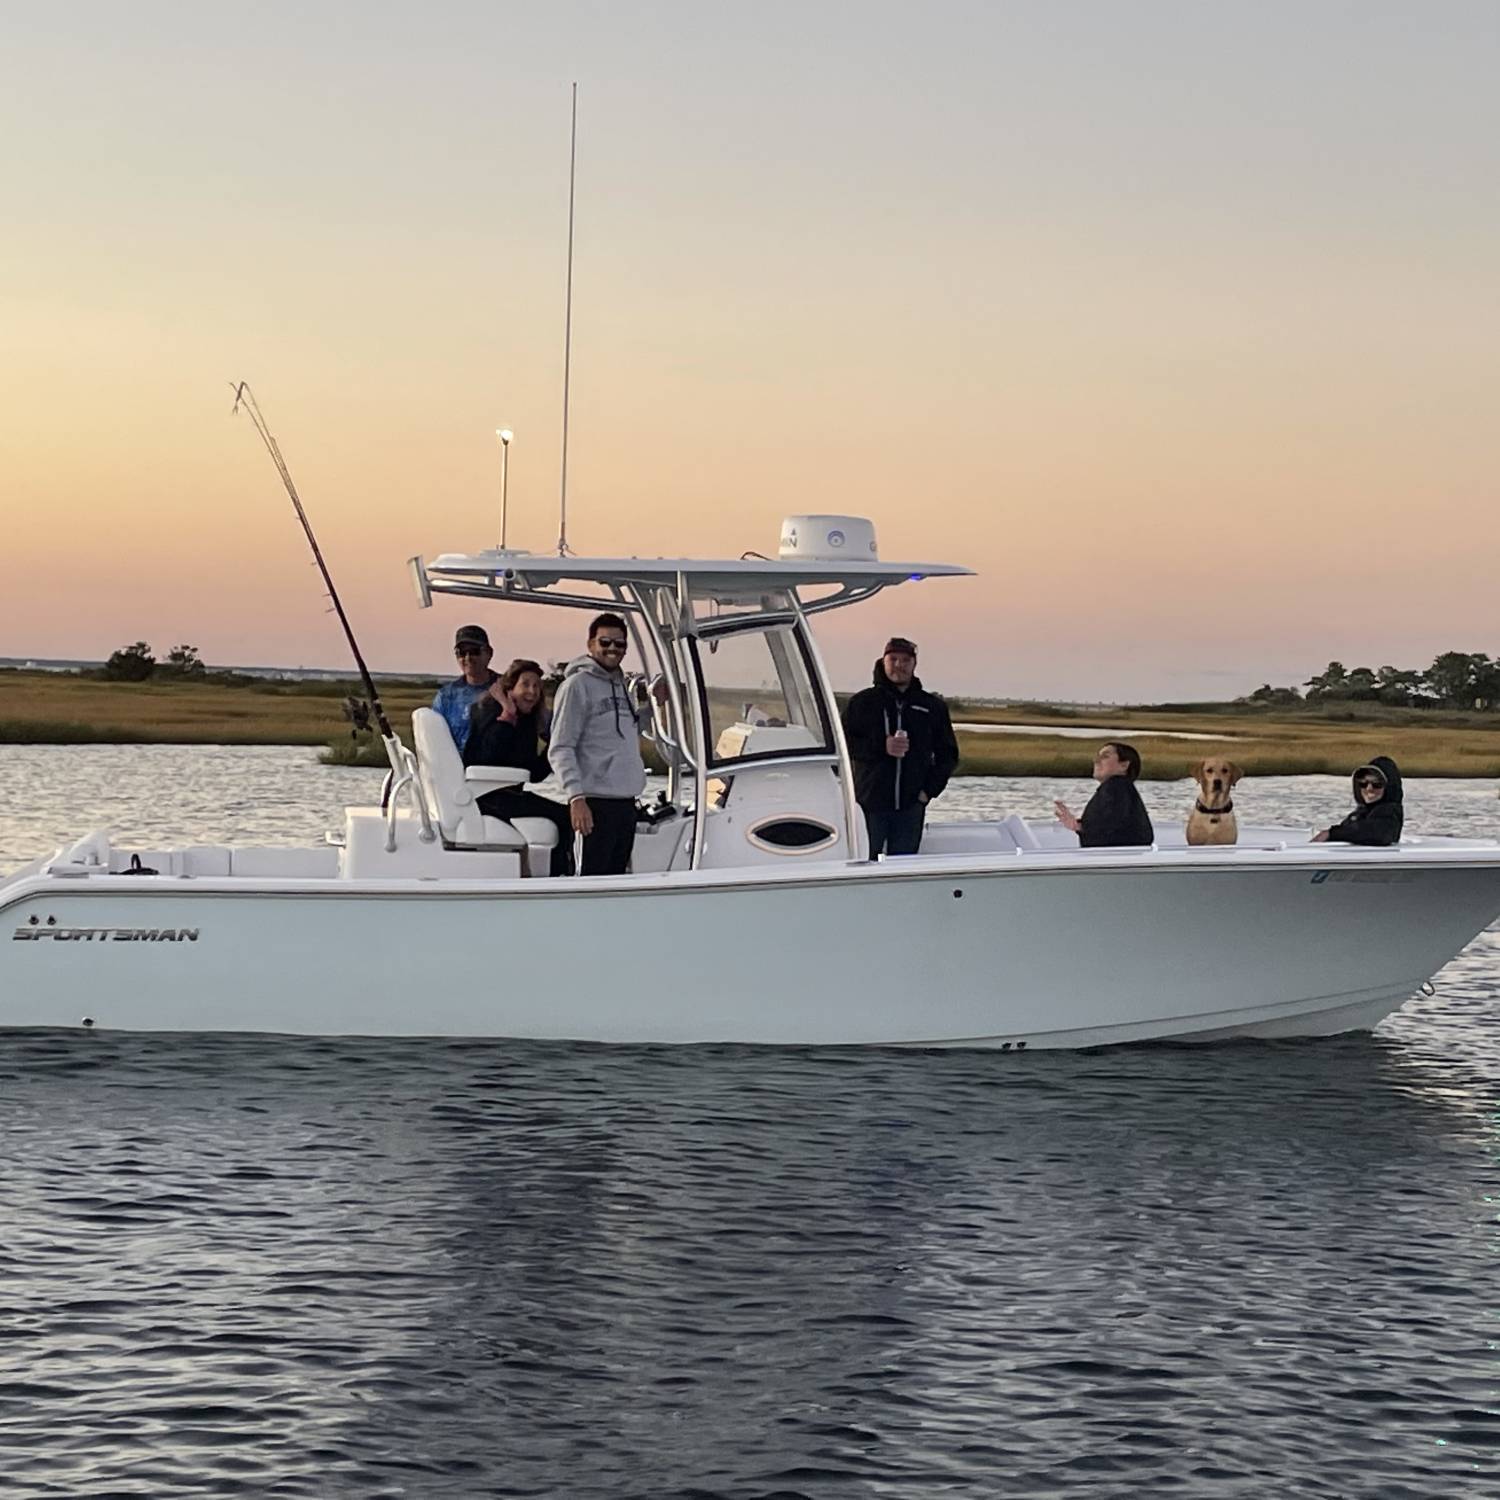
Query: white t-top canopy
pixel 534 570
pixel 816 551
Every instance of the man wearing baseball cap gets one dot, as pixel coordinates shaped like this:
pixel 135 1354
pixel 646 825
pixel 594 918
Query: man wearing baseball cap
pixel 471 646
pixel 903 747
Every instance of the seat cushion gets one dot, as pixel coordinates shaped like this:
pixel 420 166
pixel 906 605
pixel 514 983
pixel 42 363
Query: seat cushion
pixel 502 835
pixel 540 833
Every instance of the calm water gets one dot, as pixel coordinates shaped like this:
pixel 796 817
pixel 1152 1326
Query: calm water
pixel 288 1267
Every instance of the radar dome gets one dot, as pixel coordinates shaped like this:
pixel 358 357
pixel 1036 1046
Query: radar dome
pixel 828 539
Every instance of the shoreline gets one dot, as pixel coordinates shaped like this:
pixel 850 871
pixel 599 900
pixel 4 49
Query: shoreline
pixel 38 708
pixel 1015 761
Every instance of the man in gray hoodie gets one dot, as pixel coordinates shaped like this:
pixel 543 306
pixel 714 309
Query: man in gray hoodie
pixel 596 749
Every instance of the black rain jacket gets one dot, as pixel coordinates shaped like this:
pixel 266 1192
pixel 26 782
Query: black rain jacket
pixel 1115 818
pixel 887 782
pixel 1375 823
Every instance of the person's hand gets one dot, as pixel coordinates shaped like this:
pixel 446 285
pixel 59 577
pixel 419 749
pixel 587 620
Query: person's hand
pixel 895 744
pixel 923 798
pixel 504 699
pixel 1066 816
pixel 581 816
pixel 1321 836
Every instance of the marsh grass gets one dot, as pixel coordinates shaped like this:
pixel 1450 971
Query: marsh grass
pixel 367 751
pixel 1168 760
pixel 45 708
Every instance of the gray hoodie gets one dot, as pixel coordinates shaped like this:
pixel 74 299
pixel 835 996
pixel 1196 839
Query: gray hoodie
pixel 596 736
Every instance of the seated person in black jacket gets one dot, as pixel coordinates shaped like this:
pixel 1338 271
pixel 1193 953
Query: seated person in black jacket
pixel 1115 817
pixel 507 728
pixel 1377 815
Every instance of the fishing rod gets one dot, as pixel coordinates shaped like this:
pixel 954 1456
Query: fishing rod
pixel 394 749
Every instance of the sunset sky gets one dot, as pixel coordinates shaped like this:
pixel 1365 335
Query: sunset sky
pixel 1178 322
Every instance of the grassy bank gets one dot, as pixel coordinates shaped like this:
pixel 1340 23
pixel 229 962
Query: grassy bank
pixel 45 708
pixel 1295 742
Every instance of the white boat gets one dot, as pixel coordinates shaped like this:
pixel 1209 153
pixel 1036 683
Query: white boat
pixel 751 913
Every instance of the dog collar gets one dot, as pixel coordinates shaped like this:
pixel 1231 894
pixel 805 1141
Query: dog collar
pixel 1213 812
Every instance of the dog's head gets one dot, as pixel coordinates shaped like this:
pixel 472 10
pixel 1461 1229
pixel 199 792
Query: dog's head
pixel 1215 776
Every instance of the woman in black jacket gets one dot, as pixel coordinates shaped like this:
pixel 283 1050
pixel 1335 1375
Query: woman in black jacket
pixel 1115 817
pixel 1378 815
pixel 507 727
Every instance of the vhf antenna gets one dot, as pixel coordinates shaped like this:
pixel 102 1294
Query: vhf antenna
pixel 562 533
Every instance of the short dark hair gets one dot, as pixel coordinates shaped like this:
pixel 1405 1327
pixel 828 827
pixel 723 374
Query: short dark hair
pixel 599 622
pixel 1130 755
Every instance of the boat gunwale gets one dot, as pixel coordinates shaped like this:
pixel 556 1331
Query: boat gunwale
pixel 1047 863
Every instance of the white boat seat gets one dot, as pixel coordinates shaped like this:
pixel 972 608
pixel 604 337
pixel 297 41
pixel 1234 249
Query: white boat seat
pixel 494 776
pixel 539 833
pixel 452 791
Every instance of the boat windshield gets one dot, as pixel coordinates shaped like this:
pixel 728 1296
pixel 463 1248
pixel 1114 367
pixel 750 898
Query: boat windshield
pixel 760 696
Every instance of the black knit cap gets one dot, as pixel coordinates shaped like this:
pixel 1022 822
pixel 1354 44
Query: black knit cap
pixel 900 646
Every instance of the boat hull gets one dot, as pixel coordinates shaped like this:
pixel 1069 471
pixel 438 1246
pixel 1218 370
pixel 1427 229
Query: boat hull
pixel 1013 957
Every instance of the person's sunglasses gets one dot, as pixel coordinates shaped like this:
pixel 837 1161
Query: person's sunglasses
pixel 462 651
pixel 1369 784
pixel 610 643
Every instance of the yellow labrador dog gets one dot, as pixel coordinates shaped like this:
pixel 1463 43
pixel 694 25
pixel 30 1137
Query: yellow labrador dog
pixel 1212 819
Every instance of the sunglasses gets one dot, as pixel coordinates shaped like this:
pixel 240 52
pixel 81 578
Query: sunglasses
pixel 611 643
pixel 462 651
pixel 1368 783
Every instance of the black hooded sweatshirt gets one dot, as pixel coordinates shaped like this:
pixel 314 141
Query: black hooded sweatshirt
pixel 887 782
pixel 1374 823
pixel 1115 818
pixel 493 742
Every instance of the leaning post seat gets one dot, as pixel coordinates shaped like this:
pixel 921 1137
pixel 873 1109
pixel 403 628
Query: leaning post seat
pixel 452 793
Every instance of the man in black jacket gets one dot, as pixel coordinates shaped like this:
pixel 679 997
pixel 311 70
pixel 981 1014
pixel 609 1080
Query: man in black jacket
pixel 902 744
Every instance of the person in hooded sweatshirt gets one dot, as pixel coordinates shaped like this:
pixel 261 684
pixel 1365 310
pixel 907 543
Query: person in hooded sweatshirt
pixel 507 727
pixel 1377 815
pixel 1115 817
pixel 903 747
pixel 596 749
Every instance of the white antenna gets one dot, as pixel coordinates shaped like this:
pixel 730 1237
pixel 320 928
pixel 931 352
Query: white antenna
pixel 505 435
pixel 562 533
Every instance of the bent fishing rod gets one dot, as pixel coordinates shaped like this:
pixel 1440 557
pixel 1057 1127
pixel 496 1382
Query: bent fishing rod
pixel 394 749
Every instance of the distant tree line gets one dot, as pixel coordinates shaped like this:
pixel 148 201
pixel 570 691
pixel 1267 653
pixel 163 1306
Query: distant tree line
pixel 137 663
pixel 1455 680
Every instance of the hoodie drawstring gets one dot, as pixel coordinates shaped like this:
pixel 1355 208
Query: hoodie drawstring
pixel 889 731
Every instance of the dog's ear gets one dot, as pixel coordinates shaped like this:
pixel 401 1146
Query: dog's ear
pixel 1234 773
pixel 1195 770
